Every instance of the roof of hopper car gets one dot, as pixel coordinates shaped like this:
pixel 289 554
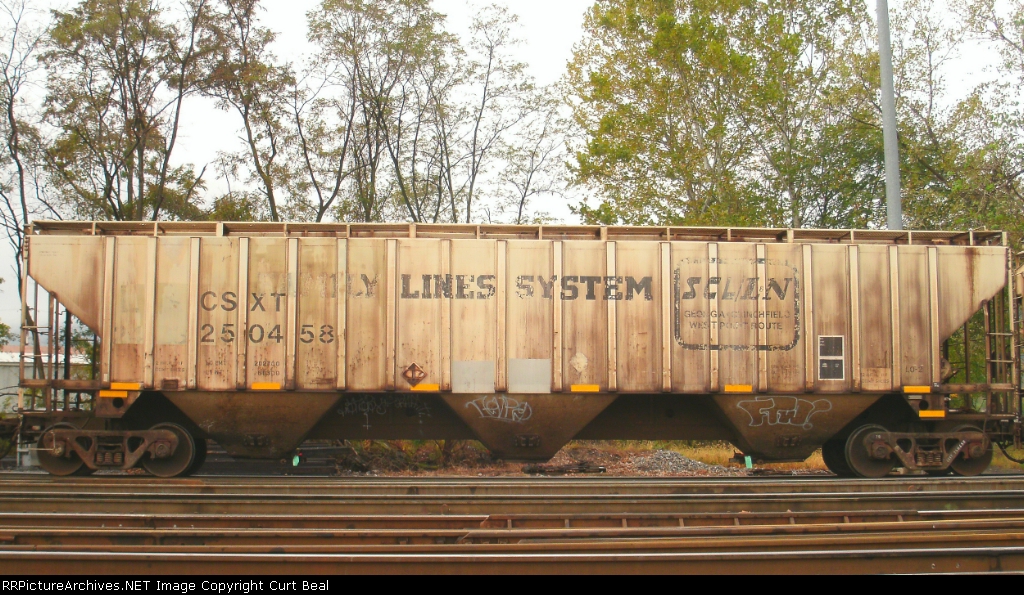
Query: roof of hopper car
pixel 527 232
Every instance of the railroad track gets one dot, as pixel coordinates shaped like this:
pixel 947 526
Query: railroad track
pixel 487 496
pixel 252 525
pixel 256 484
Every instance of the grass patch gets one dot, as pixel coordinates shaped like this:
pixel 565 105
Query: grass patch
pixel 1000 462
pixel 469 457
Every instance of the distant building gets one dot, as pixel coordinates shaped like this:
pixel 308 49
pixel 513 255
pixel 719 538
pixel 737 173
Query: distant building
pixel 9 378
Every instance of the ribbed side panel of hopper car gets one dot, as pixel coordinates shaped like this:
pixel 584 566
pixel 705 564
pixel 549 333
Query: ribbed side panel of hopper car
pixel 526 340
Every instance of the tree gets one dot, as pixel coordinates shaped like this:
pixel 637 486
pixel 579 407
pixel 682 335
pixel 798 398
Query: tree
pixel 534 160
pixel 961 156
pixel 19 41
pixel 119 73
pixel 767 112
pixel 664 143
pixel 19 44
pixel 244 77
pixel 375 54
pixel 723 112
pixel 503 90
pixel 1001 26
pixel 325 130
pixel 795 104
pixel 1001 23
pixel 416 124
pixel 412 120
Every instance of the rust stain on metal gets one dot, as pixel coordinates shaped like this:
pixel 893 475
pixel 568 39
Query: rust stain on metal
pixel 227 311
pixel 414 375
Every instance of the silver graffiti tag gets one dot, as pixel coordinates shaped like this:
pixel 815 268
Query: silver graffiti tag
pixel 783 411
pixel 502 408
pixel 367 405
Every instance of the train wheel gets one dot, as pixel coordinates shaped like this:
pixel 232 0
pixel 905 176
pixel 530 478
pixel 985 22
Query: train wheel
pixel 975 465
pixel 860 460
pixel 200 457
pixel 178 463
pixel 68 464
pixel 834 454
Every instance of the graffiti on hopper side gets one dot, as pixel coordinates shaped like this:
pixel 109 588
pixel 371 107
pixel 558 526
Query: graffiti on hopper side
pixel 382 405
pixel 367 405
pixel 783 411
pixel 501 408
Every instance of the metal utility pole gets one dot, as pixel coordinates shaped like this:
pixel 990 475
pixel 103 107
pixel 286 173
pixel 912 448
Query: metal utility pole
pixel 893 198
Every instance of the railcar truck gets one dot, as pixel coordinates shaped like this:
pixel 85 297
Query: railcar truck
pixel 884 349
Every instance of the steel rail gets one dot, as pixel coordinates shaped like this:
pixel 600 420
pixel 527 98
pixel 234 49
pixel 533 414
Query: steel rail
pixel 11 522
pixel 185 503
pixel 836 542
pixel 894 540
pixel 1006 529
pixel 298 526
pixel 804 561
pixel 12 483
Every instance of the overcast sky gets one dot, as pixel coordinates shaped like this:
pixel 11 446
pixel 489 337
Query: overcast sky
pixel 550 28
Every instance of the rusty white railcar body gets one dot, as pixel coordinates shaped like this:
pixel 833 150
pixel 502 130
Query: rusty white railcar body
pixel 263 335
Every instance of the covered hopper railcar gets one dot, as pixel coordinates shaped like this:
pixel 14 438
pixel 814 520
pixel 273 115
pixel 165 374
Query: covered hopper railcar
pixel 263 335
